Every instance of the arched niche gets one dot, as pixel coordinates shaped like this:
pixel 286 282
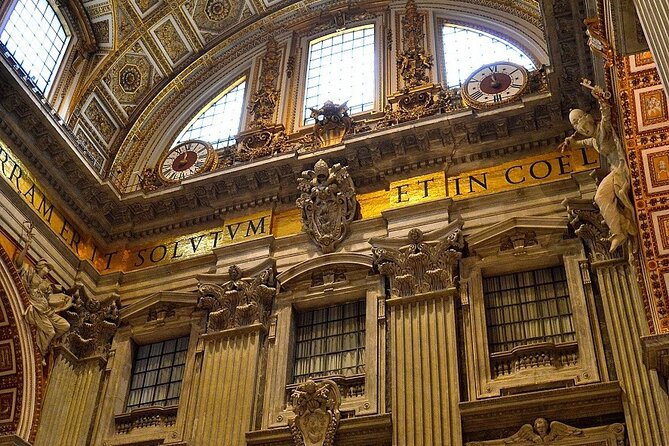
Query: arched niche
pixel 22 377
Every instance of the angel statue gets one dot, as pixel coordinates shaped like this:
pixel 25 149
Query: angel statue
pixel 46 298
pixel 542 433
pixel 612 196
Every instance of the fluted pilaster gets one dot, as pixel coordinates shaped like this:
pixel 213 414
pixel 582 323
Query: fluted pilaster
pixel 70 403
pixel 654 17
pixel 224 401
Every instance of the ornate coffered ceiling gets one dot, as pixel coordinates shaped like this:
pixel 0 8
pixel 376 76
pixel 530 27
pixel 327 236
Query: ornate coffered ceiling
pixel 153 53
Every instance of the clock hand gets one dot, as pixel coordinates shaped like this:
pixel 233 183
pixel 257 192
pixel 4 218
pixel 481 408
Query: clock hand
pixel 495 83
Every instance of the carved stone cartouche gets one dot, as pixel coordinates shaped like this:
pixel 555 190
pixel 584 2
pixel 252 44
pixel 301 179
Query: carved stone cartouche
pixel 239 302
pixel 543 433
pixel 420 262
pixel 316 407
pixel 328 204
pixel 332 123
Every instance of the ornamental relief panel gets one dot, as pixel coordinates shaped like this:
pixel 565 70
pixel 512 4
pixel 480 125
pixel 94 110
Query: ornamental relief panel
pixel 645 120
pixel 171 40
pixel 131 76
pixel 211 17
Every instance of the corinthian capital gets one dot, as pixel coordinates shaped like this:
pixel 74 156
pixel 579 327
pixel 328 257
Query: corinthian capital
pixel 239 301
pixel 420 262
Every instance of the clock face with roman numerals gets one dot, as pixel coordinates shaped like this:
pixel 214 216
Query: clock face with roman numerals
pixel 185 160
pixel 495 84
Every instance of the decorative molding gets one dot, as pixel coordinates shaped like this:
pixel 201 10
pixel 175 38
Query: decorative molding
pixel 656 353
pixel 240 302
pixel 316 406
pixel 420 262
pixel 328 204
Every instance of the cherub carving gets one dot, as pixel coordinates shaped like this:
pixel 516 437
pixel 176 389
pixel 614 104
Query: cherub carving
pixel 542 433
pixel 612 196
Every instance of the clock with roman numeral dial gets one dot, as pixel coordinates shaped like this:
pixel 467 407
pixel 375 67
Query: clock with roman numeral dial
pixel 185 160
pixel 495 84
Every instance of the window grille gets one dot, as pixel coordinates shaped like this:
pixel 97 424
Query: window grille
pixel 157 373
pixel 36 39
pixel 467 49
pixel 527 308
pixel 330 341
pixel 340 69
pixel 219 121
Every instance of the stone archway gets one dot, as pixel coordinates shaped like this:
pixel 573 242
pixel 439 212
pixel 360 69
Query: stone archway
pixel 21 373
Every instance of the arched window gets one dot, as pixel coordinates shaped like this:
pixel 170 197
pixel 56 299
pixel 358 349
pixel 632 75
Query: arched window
pixel 341 68
pixel 218 122
pixel 467 49
pixel 36 38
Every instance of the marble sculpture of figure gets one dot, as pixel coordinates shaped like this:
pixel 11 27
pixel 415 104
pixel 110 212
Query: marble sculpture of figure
pixel 612 196
pixel 46 300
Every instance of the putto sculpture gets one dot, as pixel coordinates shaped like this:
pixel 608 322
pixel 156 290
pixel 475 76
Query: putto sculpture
pixel 612 196
pixel 316 407
pixel 328 204
pixel 541 432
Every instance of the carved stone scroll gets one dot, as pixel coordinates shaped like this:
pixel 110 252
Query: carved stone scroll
pixel 421 262
pixel 239 302
pixel 328 204
pixel 317 408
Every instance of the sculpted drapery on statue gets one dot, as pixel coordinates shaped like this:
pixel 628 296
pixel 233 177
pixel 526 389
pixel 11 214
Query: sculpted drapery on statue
pixel 328 204
pixel 612 196
pixel 316 407
pixel 46 298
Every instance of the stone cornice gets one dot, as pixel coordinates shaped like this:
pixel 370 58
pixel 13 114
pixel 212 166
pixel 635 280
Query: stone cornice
pixel 43 143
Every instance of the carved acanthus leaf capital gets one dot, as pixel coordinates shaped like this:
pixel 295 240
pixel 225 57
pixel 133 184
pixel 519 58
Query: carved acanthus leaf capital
pixel 421 262
pixel 328 203
pixel 316 407
pixel 589 226
pixel 238 302
pixel 92 324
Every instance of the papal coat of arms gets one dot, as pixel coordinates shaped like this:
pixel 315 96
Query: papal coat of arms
pixel 328 204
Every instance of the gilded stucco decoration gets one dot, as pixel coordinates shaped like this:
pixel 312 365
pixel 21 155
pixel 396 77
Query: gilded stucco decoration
pixel 420 262
pixel 264 137
pixel 100 121
pixel 132 76
pixel 171 40
pixel 646 132
pixel 214 16
pixel 316 407
pixel 238 302
pixel 328 204
pixel 413 62
pixel 332 123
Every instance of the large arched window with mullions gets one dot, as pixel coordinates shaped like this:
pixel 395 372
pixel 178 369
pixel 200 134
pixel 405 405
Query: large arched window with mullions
pixel 36 37
pixel 219 121
pixel 340 69
pixel 466 49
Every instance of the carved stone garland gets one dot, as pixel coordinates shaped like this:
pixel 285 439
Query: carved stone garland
pixel 421 265
pixel 317 408
pixel 92 325
pixel 239 302
pixel 328 204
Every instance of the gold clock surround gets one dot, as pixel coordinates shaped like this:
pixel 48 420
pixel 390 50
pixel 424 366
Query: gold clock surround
pixel 500 90
pixel 198 157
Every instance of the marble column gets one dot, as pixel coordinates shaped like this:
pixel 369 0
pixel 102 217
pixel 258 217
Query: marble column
pixel 423 350
pixel 654 18
pixel 644 402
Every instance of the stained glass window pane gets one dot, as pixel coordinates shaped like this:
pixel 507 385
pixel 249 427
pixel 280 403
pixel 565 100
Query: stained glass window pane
pixel 467 49
pixel 340 69
pixel 36 39
pixel 218 122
